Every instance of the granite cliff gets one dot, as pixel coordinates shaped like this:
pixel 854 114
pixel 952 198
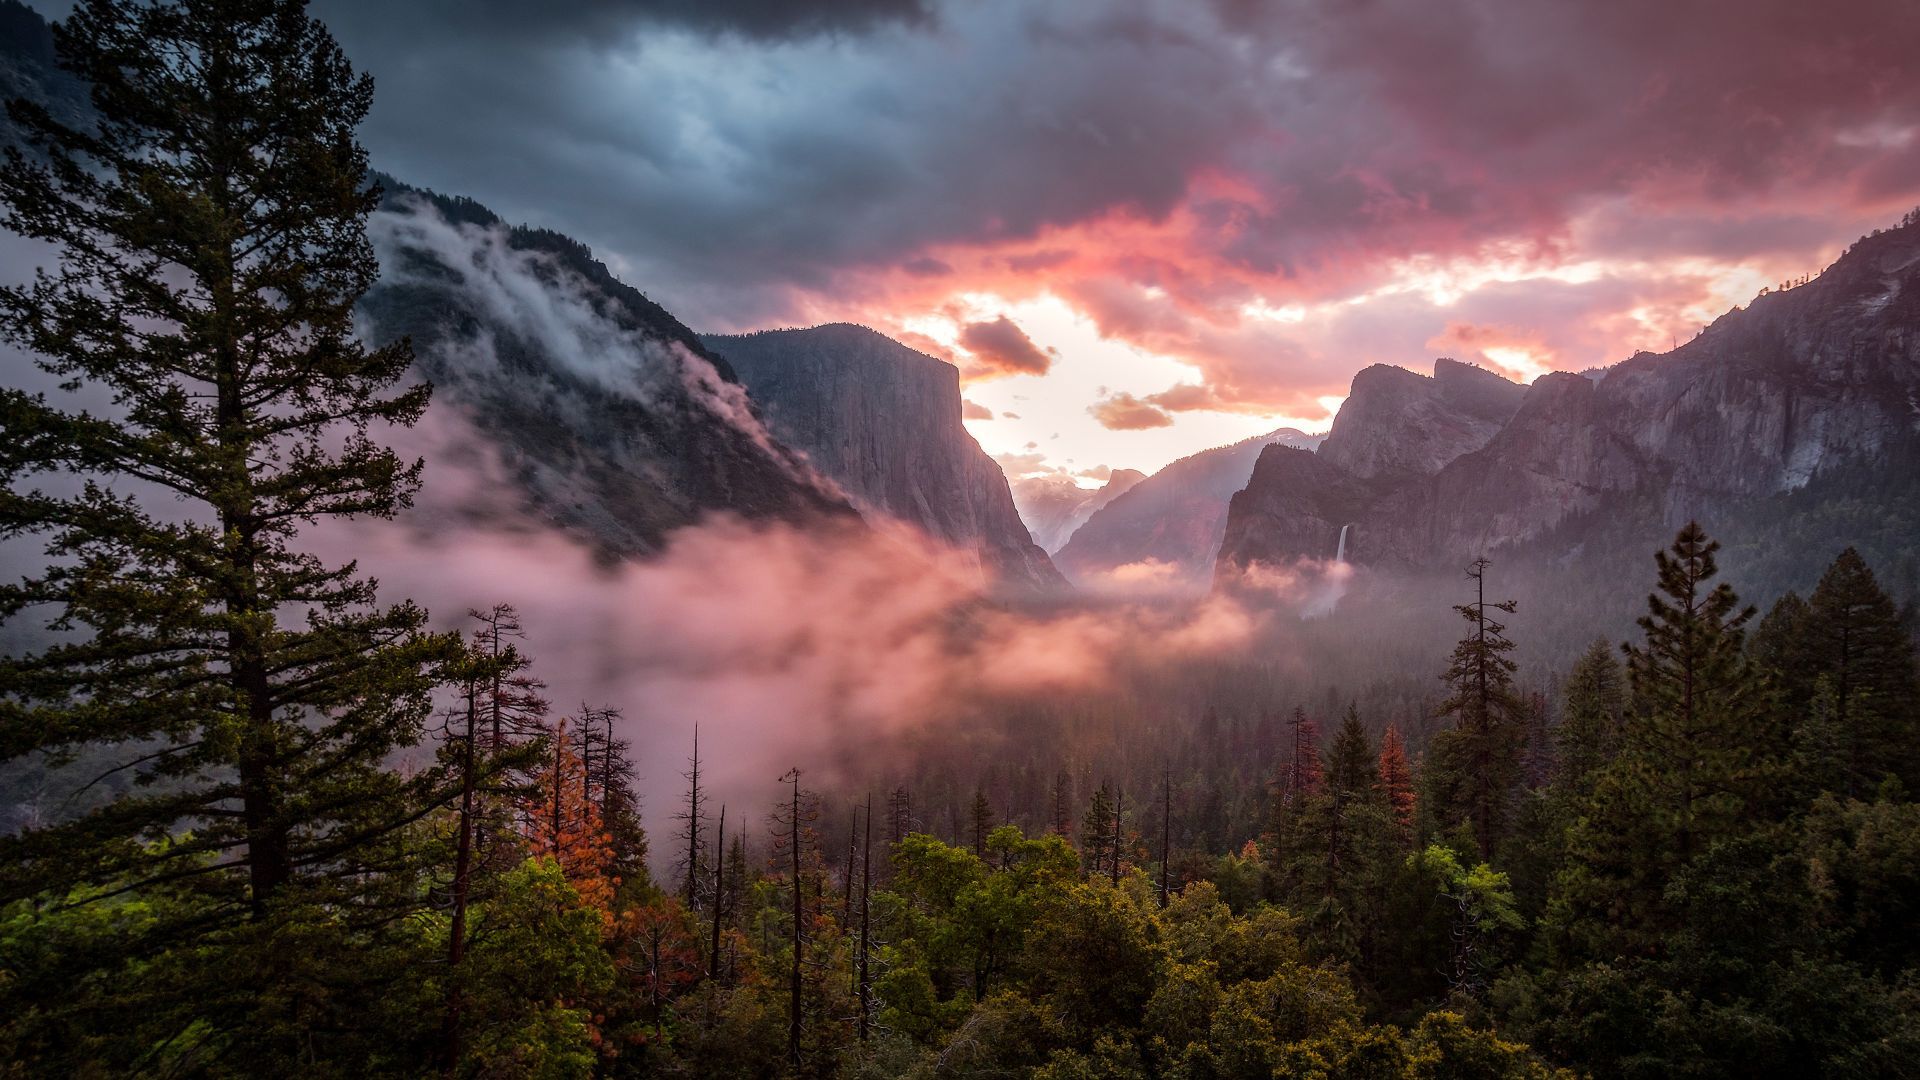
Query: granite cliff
pixel 615 422
pixel 1173 519
pixel 1816 388
pixel 1054 505
pixel 883 422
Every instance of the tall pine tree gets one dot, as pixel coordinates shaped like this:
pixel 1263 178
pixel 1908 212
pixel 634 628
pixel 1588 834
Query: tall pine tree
pixel 211 243
pixel 1474 766
pixel 1692 768
pixel 1854 640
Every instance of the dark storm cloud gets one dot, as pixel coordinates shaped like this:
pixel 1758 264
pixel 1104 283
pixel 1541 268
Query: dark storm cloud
pixel 611 21
pixel 732 157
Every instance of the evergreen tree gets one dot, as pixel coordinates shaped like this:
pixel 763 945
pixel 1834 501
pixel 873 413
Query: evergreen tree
pixel 1854 639
pixel 899 815
pixel 1697 703
pixel 692 839
pixel 211 243
pixel 980 820
pixel 1689 773
pixel 1302 773
pixel 1821 755
pixel 1350 760
pixel 1331 848
pixel 611 779
pixel 1474 766
pixel 1062 819
pixel 485 844
pixel 1394 779
pixel 1592 719
pixel 1097 847
pixel 1779 648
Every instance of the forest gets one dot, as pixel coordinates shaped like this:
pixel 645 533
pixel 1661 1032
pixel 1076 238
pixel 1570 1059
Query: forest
pixel 319 837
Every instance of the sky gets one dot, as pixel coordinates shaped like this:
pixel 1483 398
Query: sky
pixel 1145 227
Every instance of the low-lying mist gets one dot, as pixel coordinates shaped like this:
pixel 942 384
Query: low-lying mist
pixel 786 645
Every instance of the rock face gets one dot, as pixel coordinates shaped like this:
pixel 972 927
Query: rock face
pixel 1820 383
pixel 616 423
pixel 1396 424
pixel 1054 506
pixel 1173 519
pixel 883 422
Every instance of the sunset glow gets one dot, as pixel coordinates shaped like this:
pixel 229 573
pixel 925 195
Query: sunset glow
pixel 1245 202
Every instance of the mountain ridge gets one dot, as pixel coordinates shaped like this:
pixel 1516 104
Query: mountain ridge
pixel 883 421
pixel 1820 379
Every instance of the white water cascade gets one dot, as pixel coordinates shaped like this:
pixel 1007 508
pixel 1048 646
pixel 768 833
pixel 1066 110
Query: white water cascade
pixel 1340 554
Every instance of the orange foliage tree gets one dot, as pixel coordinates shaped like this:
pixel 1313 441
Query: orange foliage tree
pixel 1396 780
pixel 562 822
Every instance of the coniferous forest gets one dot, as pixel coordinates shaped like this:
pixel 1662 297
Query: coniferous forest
pixel 308 828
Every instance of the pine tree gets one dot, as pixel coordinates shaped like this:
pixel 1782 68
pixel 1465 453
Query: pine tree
pixel 692 840
pixel 610 778
pixel 980 821
pixel 1350 760
pixel 1475 765
pixel 1395 782
pixel 481 765
pixel 211 244
pixel 1332 845
pixel 791 840
pixel 1592 720
pixel 1166 835
pixel 1097 847
pixel 1779 647
pixel 1062 822
pixel 513 702
pixel 1854 639
pixel 1302 773
pixel 863 980
pixel 1690 772
pixel 1697 701
pixel 899 815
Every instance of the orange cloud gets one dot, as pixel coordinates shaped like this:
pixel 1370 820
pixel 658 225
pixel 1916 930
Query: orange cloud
pixel 1000 347
pixel 1124 412
pixel 1507 351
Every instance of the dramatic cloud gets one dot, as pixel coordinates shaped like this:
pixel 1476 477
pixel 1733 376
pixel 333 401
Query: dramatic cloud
pixel 972 411
pixel 1000 347
pixel 1124 412
pixel 1271 194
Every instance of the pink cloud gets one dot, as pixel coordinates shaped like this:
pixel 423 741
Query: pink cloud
pixel 1124 412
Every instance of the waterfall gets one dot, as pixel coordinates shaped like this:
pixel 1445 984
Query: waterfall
pixel 1340 554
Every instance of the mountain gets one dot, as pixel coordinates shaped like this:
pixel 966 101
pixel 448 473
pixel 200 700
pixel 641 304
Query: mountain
pixel 1173 520
pixel 615 421
pixel 1779 420
pixel 883 422
pixel 1054 505
pixel 28 71
pixel 1397 424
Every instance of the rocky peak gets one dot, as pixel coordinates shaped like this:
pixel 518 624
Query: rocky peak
pixel 1397 423
pixel 883 421
pixel 1054 505
pixel 1174 518
pixel 1820 381
pixel 615 422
